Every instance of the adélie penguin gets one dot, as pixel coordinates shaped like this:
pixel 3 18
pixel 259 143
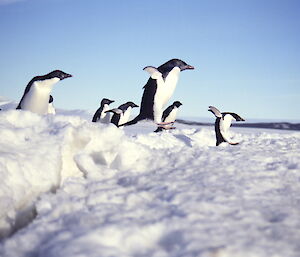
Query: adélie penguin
pixel 51 109
pixel 223 123
pixel 169 116
pixel 122 114
pixel 101 115
pixel 159 89
pixel 37 93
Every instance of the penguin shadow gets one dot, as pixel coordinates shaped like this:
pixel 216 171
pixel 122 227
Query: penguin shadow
pixel 185 139
pixel 172 241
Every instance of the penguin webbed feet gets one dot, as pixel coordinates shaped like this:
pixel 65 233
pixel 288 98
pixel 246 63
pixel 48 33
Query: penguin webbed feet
pixel 164 126
pixel 160 129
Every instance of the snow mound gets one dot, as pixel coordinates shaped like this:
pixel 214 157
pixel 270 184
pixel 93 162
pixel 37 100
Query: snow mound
pixel 88 189
pixel 39 153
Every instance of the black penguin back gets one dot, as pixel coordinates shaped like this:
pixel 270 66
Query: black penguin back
pixel 115 119
pixel 97 114
pixel 146 111
pixel 167 112
pixel 219 136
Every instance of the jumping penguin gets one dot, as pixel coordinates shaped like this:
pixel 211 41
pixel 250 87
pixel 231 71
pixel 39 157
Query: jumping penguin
pixel 51 109
pixel 223 123
pixel 159 89
pixel 122 114
pixel 169 116
pixel 37 93
pixel 101 115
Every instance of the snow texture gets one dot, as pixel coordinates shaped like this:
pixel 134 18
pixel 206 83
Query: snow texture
pixel 70 187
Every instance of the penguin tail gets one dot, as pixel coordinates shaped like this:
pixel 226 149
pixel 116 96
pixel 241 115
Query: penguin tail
pixel 19 106
pixel 159 129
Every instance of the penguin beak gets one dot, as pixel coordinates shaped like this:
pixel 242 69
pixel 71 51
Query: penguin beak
pixel 187 67
pixel 66 75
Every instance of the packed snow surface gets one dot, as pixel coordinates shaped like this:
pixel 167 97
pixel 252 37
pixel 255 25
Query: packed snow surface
pixel 70 187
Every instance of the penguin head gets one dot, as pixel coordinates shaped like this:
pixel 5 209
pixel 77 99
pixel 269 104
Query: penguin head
pixel 169 65
pixel 57 74
pixel 125 106
pixel 50 99
pixel 131 104
pixel 106 101
pixel 177 103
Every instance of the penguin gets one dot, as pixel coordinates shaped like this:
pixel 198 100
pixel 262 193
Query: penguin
pixel 122 114
pixel 159 89
pixel 223 123
pixel 101 115
pixel 169 116
pixel 51 109
pixel 37 93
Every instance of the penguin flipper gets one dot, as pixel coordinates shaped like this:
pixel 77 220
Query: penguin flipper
pixel 115 111
pixel 154 73
pixel 215 111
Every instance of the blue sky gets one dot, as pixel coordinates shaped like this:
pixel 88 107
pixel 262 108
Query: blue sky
pixel 246 53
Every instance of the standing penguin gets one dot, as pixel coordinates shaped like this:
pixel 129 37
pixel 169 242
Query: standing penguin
pixel 51 109
pixel 122 114
pixel 169 115
pixel 101 115
pixel 223 123
pixel 37 93
pixel 159 89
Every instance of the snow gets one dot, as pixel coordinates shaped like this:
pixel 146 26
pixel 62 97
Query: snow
pixel 71 187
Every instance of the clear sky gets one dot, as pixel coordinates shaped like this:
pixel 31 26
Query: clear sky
pixel 246 53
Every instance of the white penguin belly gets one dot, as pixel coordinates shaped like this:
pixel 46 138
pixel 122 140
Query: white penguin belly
pixel 105 117
pixel 224 127
pixel 172 116
pixel 227 122
pixel 37 98
pixel 164 91
pixel 51 109
pixel 125 116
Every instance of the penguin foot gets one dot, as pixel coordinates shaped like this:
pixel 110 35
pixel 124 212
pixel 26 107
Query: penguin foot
pixel 163 124
pixel 159 129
